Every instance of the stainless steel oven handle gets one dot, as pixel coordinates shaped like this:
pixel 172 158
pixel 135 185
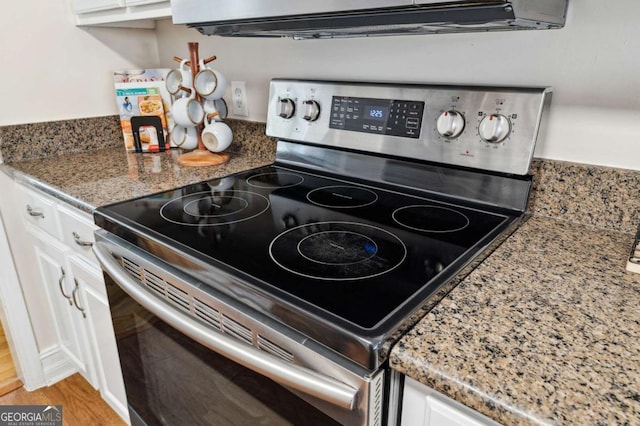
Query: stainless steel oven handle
pixel 292 376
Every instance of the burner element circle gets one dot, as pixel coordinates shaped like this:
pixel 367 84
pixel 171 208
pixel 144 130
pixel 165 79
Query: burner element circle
pixel 215 206
pixel 337 251
pixel 337 247
pixel 429 218
pixel 206 208
pixel 342 196
pixel 275 180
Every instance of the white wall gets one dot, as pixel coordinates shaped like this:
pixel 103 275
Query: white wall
pixel 593 65
pixel 53 70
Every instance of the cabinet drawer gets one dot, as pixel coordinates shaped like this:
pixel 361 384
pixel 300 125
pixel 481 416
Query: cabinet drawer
pixel 39 210
pixel 77 232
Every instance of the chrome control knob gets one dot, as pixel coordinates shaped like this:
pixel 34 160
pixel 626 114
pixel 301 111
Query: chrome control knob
pixel 287 108
pixel 311 110
pixel 494 128
pixel 450 124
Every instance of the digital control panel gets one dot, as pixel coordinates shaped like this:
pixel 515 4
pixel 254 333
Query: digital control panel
pixel 486 128
pixel 380 116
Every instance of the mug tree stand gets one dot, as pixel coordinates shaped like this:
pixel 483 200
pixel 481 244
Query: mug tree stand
pixel 200 156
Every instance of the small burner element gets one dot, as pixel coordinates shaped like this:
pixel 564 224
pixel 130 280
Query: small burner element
pixel 342 196
pixel 208 208
pixel 215 206
pixel 275 180
pixel 430 218
pixel 337 251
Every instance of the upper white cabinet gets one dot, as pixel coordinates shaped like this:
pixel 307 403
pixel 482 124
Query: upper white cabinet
pixel 423 406
pixel 120 13
pixel 83 6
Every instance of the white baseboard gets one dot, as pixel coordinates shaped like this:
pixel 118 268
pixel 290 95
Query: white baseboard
pixel 56 365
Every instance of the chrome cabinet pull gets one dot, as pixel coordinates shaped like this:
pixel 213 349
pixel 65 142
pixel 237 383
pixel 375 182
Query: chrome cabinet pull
pixel 79 241
pixel 60 281
pixel 34 213
pixel 296 377
pixel 75 300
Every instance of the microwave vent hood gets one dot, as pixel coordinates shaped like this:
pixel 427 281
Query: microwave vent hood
pixel 312 19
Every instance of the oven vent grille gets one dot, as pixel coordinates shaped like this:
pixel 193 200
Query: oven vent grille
pixel 154 282
pixel 178 297
pixel 268 346
pixel 376 400
pixel 202 310
pixel 132 268
pixel 237 330
pixel 207 314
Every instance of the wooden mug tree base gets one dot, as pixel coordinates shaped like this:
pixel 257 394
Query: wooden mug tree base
pixel 202 158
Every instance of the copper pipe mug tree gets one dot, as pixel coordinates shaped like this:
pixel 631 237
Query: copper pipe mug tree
pixel 178 86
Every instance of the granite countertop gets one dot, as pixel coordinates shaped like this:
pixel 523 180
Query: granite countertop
pixel 60 159
pixel 87 180
pixel 545 331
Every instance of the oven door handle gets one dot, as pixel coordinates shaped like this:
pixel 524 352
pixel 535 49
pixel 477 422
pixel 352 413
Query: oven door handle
pixel 295 377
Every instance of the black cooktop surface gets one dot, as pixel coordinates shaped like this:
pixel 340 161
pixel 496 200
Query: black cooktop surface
pixel 353 251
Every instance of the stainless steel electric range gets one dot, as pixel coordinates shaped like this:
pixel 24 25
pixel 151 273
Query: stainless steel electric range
pixel 273 296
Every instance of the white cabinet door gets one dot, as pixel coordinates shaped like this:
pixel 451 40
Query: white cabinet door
pixel 143 2
pixel 84 6
pixel 102 337
pixel 62 292
pixel 423 406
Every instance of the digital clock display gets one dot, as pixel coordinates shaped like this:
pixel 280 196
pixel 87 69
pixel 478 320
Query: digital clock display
pixel 390 117
pixel 376 112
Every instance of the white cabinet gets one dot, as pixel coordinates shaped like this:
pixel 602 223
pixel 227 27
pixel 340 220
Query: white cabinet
pixel 96 306
pixel 72 282
pixel 83 6
pixel 120 13
pixel 62 292
pixel 423 406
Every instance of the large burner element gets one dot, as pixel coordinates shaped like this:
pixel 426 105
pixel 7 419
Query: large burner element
pixel 275 180
pixel 337 251
pixel 342 197
pixel 431 218
pixel 208 208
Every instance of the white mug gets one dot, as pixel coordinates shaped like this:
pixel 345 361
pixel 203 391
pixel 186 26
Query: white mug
pixel 177 78
pixel 184 137
pixel 209 83
pixel 216 136
pixel 187 112
pixel 216 105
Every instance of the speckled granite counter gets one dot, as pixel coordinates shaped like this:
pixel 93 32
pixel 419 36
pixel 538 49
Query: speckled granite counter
pixel 547 329
pixel 83 175
pixel 91 179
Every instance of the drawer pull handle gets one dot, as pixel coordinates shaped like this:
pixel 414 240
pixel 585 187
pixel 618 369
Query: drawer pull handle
pixel 33 213
pixel 75 300
pixel 78 240
pixel 61 285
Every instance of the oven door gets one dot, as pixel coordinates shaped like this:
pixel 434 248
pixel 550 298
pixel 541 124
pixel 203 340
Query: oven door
pixel 178 371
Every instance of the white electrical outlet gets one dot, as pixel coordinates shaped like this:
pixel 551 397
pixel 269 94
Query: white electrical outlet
pixel 239 98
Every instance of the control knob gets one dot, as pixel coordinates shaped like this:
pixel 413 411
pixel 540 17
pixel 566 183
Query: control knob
pixel 311 110
pixel 450 124
pixel 287 108
pixel 494 128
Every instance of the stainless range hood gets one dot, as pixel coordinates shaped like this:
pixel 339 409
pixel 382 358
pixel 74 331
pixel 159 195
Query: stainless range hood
pixel 313 19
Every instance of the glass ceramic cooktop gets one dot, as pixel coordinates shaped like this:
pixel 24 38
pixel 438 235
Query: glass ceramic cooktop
pixel 355 251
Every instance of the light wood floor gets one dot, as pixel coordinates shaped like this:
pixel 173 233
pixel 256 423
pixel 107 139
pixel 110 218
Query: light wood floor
pixel 8 376
pixel 81 404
